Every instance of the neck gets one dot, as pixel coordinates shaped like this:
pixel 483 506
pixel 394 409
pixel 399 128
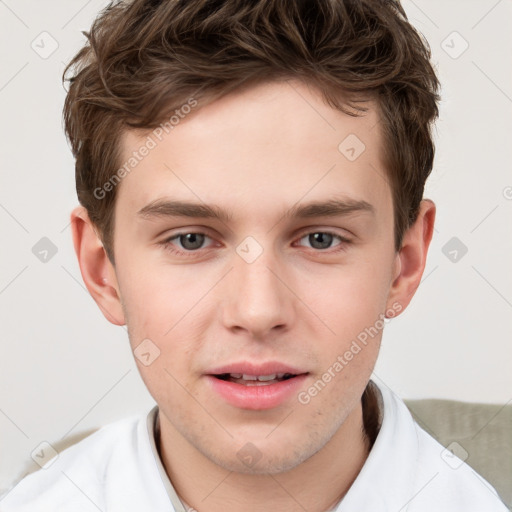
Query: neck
pixel 317 484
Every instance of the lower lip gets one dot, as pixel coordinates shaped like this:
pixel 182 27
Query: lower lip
pixel 257 397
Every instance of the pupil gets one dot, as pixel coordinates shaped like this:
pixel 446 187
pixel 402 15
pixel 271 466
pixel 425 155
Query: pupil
pixel 320 238
pixel 195 239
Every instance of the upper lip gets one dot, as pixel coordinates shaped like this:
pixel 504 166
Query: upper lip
pixel 250 368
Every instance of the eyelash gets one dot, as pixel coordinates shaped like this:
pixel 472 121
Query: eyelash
pixel 168 246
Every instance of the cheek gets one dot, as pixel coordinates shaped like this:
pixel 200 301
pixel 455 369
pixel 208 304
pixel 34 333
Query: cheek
pixel 167 383
pixel 163 305
pixel 158 298
pixel 349 298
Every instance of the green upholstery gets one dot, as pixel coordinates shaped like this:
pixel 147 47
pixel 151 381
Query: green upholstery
pixel 484 431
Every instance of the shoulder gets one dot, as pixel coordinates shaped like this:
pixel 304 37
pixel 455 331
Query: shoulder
pixel 446 482
pixel 82 477
pixel 442 481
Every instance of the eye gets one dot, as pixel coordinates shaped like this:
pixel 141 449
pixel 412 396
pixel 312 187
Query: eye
pixel 322 240
pixel 189 242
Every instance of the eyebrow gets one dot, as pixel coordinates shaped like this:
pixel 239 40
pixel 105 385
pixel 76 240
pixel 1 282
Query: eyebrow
pixel 329 208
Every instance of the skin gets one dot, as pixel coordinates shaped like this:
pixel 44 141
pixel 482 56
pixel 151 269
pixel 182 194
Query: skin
pixel 257 153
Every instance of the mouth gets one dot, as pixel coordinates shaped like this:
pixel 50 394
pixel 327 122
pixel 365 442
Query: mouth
pixel 254 380
pixel 256 386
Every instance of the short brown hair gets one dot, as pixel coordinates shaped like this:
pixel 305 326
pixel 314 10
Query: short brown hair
pixel 145 58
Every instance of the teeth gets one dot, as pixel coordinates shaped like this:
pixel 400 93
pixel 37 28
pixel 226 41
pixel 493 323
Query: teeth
pixel 254 379
pixel 263 378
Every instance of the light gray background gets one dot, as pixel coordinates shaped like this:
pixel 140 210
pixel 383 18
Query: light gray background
pixel 64 369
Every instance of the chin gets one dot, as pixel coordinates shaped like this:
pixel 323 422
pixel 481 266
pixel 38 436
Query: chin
pixel 268 459
pixel 264 466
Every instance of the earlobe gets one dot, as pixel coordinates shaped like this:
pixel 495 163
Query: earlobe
pixel 412 256
pixel 97 271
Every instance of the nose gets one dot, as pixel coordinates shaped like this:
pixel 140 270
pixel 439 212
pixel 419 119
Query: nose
pixel 258 300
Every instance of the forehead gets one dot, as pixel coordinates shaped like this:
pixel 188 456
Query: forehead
pixel 271 144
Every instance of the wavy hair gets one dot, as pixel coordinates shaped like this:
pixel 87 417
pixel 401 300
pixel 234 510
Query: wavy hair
pixel 145 58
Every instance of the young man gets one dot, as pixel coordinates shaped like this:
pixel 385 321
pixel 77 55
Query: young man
pixel 251 183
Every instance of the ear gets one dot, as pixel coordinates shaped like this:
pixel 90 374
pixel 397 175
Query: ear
pixel 97 271
pixel 410 260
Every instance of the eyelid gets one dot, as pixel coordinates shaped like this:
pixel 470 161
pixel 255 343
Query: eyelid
pixel 343 241
pixel 331 231
pixel 169 239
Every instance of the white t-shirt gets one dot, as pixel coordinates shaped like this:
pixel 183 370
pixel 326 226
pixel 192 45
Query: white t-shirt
pixel 118 469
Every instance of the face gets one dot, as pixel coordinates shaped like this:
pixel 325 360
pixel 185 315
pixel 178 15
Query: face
pixel 274 283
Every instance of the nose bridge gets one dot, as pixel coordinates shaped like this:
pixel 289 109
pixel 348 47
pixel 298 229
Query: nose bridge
pixel 258 300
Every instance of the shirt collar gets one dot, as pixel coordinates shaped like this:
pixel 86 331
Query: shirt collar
pixel 386 480
pixel 153 431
